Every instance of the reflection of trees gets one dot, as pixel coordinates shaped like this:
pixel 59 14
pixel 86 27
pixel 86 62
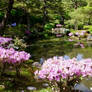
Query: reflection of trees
pixel 7 14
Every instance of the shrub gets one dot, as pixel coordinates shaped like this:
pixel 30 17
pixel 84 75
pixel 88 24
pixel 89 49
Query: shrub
pixel 1 15
pixel 80 26
pixel 18 30
pixel 10 55
pixel 19 43
pixel 89 28
pixel 65 71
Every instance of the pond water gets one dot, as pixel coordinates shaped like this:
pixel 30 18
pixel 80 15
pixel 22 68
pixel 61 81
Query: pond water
pixel 42 50
pixel 60 47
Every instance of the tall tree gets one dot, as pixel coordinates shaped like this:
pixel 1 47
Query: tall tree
pixel 7 14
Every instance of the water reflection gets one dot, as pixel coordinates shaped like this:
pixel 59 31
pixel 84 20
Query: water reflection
pixel 89 43
pixel 31 88
pixel 42 60
pixel 66 57
pixel 48 49
pixel 79 57
pixel 81 87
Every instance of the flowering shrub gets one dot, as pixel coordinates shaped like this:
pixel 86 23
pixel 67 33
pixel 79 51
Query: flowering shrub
pixel 4 40
pixel 57 67
pixel 79 44
pixel 60 70
pixel 81 33
pixel 70 34
pixel 12 43
pixel 19 43
pixel 12 57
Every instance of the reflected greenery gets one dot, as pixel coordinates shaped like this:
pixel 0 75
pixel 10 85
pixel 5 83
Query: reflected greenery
pixel 9 82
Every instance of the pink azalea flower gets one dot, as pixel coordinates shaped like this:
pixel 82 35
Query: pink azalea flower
pixel 77 33
pixel 57 68
pixel 4 40
pixel 58 25
pixel 70 34
pixel 11 56
pixel 82 46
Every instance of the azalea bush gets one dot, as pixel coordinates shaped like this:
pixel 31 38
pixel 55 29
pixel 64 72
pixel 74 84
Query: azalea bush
pixel 15 30
pixel 79 34
pixel 63 73
pixel 5 41
pixel 19 44
pixel 15 43
pixel 13 57
pixel 10 56
pixel 89 28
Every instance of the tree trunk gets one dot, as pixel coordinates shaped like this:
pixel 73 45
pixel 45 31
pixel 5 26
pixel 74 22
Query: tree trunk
pixel 76 5
pixel 28 22
pixel 62 20
pixel 4 21
pixel 44 13
pixel 89 21
pixel 18 70
pixel 3 68
pixel 76 25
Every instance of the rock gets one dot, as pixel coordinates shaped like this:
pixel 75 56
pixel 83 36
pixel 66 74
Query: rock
pixel 89 43
pixel 36 64
pixel 22 91
pixel 60 31
pixel 42 61
pixel 2 86
pixel 90 88
pixel 45 84
pixel 81 87
pixel 89 38
pixel 31 88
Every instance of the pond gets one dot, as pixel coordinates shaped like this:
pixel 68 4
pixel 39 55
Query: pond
pixel 44 49
pixel 60 47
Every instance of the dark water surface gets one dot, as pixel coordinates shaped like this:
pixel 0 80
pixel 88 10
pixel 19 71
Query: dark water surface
pixel 42 50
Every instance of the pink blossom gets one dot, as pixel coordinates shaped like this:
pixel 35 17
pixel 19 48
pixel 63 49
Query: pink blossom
pixel 77 33
pixel 58 25
pixel 81 33
pixel 12 56
pixel 57 68
pixel 70 34
pixel 4 40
